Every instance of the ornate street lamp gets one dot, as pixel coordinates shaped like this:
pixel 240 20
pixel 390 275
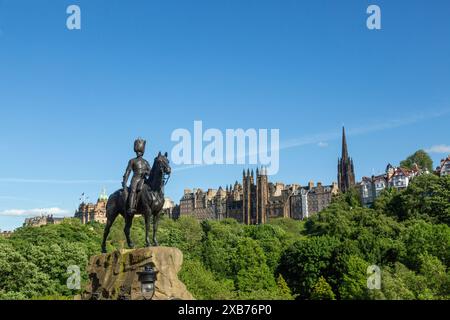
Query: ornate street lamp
pixel 147 278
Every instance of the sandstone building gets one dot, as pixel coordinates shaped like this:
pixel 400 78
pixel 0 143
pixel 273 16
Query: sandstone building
pixel 256 200
pixel 93 212
pixel 6 234
pixel 41 221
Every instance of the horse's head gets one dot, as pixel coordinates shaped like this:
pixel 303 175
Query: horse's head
pixel 163 163
pixel 161 171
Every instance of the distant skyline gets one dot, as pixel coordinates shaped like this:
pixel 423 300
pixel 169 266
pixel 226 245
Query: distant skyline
pixel 72 102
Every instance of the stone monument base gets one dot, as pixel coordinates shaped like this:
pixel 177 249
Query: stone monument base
pixel 115 275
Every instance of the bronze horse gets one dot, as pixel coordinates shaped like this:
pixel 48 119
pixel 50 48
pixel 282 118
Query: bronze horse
pixel 149 203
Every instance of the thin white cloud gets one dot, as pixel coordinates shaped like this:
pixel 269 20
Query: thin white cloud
pixel 35 212
pixel 322 144
pixel 440 148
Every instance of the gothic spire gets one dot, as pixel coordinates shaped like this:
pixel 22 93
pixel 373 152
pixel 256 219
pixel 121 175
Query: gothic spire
pixel 344 145
pixel 346 171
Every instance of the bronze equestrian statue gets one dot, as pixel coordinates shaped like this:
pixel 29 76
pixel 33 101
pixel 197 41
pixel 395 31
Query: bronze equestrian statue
pixel 147 185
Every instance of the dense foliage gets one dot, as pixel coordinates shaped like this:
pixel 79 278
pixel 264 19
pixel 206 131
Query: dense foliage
pixel 406 234
pixel 421 158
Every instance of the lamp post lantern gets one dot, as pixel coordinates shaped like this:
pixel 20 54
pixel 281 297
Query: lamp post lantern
pixel 147 278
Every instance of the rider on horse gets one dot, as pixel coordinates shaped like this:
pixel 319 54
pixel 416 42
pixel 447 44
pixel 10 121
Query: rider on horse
pixel 141 170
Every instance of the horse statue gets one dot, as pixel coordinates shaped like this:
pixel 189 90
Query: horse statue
pixel 150 202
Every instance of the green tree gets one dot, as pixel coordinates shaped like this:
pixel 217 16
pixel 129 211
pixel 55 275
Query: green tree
pixel 202 283
pixel 250 267
pixel 21 277
pixel 305 261
pixel 427 197
pixel 322 290
pixel 283 288
pixel 270 238
pixel 434 272
pixel 354 280
pixel 421 158
pixel 219 246
pixel 424 238
pixel 351 198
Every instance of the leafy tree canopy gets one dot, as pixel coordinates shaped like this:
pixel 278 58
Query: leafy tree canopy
pixel 421 158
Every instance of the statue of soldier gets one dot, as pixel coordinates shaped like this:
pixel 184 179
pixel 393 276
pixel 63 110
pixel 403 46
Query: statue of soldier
pixel 141 170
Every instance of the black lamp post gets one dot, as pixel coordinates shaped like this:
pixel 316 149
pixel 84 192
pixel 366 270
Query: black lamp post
pixel 147 278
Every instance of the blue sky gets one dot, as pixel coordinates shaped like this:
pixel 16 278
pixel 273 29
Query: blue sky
pixel 72 102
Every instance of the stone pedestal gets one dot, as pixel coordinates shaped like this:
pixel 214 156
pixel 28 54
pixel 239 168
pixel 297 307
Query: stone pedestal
pixel 115 275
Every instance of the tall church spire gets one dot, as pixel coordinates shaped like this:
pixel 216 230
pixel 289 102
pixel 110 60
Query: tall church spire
pixel 346 173
pixel 344 145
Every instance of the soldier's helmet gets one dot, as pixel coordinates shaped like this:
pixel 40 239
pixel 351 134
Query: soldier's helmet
pixel 139 146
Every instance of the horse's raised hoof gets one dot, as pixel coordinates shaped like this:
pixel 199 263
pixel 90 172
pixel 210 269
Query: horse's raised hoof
pixel 130 245
pixel 155 243
pixel 103 249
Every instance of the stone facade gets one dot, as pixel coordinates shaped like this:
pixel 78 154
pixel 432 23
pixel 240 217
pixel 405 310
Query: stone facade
pixel 444 167
pixel 41 221
pixel 6 234
pixel 401 177
pixel 256 200
pixel 394 177
pixel 169 208
pixel 88 212
pixel 308 200
pixel 115 276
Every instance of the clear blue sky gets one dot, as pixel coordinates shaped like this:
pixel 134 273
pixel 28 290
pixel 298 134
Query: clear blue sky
pixel 72 102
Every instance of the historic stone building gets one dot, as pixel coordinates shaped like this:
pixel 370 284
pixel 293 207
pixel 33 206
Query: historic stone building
pixel 394 177
pixel 170 208
pixel 308 200
pixel 6 234
pixel 346 172
pixel 93 211
pixel 256 200
pixel 444 167
pixel 41 221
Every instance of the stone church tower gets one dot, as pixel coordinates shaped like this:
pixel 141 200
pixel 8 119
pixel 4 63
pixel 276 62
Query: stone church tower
pixel 247 204
pixel 346 172
pixel 262 195
pixel 255 196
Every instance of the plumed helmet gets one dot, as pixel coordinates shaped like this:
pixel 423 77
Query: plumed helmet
pixel 139 145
